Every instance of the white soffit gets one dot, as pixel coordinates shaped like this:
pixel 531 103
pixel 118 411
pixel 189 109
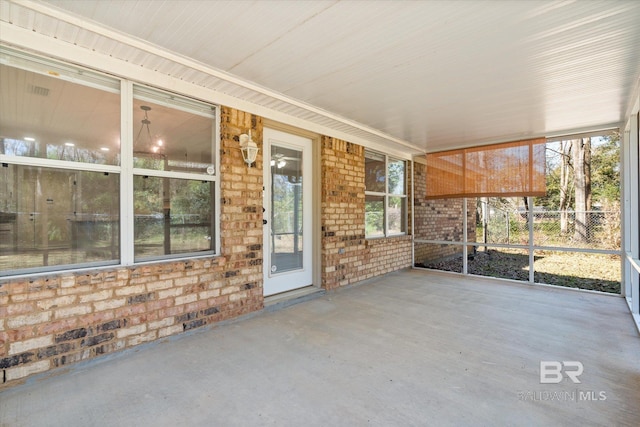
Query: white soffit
pixel 95 46
pixel 412 75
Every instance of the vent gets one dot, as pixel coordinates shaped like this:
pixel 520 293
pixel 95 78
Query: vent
pixel 38 90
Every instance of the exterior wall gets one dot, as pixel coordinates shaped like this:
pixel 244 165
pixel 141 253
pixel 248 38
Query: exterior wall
pixel 347 257
pixel 51 321
pixel 438 220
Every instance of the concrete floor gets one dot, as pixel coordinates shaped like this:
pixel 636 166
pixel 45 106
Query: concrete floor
pixel 411 348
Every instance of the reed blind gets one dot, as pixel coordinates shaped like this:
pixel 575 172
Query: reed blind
pixel 510 169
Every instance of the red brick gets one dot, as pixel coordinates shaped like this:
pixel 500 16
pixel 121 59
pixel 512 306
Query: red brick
pixel 57 326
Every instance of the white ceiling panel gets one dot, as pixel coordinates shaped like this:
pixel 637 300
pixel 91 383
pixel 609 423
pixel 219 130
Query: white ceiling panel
pixel 425 74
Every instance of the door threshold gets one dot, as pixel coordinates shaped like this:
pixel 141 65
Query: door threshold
pixel 285 299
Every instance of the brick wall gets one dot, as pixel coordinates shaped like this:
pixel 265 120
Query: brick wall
pixel 241 205
pixel 48 322
pixel 347 257
pixel 438 220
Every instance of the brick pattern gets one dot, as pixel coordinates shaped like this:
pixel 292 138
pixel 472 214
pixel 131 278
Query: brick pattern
pixel 438 220
pixel 241 202
pixel 52 321
pixel 347 256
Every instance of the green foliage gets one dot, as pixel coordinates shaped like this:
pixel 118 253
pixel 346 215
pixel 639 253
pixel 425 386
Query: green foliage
pixel 605 166
pixel 54 233
pixel 287 199
pixel 191 197
pixel 396 176
pixel 147 195
pixel 374 216
pixel 605 173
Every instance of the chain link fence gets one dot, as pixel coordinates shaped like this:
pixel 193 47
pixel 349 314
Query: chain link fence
pixel 569 248
pixel 595 229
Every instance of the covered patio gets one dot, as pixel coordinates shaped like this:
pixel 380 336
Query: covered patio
pixel 142 276
pixel 407 348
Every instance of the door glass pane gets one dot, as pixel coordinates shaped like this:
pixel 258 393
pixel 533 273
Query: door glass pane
pixel 286 209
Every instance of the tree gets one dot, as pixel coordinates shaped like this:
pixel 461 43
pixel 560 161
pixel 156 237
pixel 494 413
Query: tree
pixel 582 172
pixel 582 188
pixel 605 172
pixel 565 183
pixel 560 186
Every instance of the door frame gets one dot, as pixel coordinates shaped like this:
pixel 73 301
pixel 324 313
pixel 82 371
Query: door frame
pixel 316 188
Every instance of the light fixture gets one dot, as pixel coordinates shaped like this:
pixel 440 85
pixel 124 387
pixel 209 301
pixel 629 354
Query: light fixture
pixel 249 148
pixel 150 147
pixel 278 161
pixel 29 138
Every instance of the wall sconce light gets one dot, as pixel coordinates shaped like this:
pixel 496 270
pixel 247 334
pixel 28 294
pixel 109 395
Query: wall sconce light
pixel 249 148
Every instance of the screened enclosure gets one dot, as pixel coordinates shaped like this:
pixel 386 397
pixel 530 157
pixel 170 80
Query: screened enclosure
pixel 568 235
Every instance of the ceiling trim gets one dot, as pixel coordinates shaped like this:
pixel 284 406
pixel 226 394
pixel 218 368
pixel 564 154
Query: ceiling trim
pixel 583 132
pixel 400 146
pixel 577 135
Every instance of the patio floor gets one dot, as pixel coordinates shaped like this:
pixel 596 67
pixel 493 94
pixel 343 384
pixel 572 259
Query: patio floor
pixel 409 348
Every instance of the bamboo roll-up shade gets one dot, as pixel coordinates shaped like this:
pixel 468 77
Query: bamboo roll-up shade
pixel 510 169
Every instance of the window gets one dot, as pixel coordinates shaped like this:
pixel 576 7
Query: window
pixel 385 195
pixel 174 176
pixel 60 174
pixel 172 216
pixel 59 115
pixel 55 217
pixel 70 171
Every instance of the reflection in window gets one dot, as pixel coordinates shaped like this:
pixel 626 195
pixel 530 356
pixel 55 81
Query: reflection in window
pixel 374 172
pixel 51 118
pixel 396 214
pixel 374 215
pixel 166 138
pixel 56 217
pixel 385 195
pixel 395 172
pixel 287 198
pixel 172 216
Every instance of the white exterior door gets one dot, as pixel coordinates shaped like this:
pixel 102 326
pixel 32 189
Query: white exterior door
pixel 288 204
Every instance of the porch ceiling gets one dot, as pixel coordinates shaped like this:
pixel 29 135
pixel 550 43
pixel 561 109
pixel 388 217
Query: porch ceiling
pixel 418 75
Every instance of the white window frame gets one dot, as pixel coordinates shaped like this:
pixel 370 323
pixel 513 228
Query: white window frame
pixel 183 103
pixel 96 79
pixel 386 194
pixel 631 215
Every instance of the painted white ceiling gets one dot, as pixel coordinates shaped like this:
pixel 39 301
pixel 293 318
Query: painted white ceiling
pixel 421 75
